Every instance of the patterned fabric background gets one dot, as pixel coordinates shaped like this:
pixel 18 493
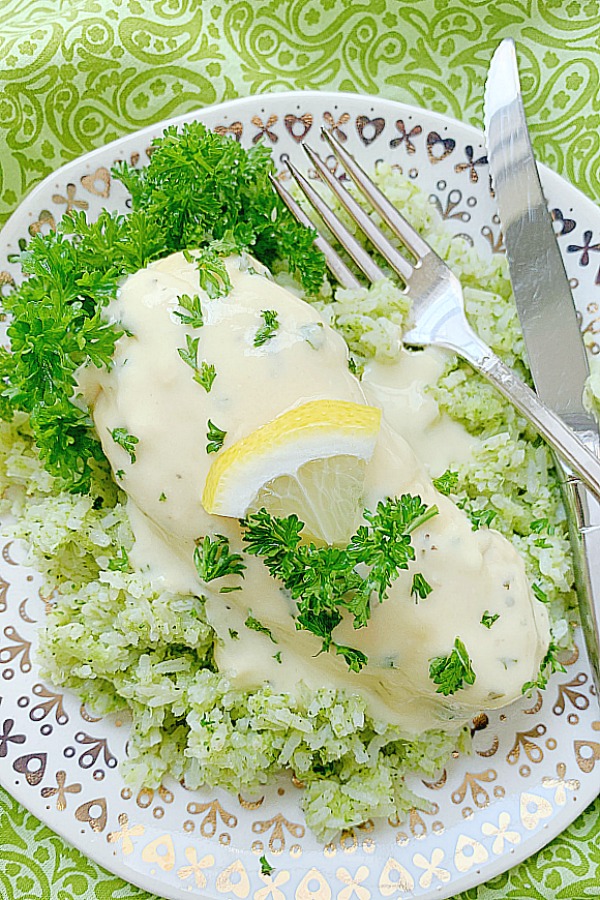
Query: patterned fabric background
pixel 75 74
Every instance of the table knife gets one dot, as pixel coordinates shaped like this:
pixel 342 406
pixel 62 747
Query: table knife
pixel 555 349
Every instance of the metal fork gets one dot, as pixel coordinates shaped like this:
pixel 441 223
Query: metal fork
pixel 437 302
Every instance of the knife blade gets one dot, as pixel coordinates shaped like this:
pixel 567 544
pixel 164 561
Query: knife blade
pixel 555 349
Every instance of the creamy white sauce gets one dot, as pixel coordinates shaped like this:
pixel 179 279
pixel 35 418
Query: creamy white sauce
pixel 151 393
pixel 402 392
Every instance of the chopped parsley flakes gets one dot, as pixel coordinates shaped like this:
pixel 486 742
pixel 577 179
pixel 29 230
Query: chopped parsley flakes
pixel 205 373
pixel 205 376
pixel 190 311
pixel 254 625
pixel 266 331
pixel 120 562
pixel 539 525
pixel 265 867
pixel 420 587
pixel 215 438
pixel 452 672
pixel 447 483
pixel 481 517
pixel 488 619
pixel 212 273
pixel 125 440
pixel 213 559
pixel 189 354
pixel 548 666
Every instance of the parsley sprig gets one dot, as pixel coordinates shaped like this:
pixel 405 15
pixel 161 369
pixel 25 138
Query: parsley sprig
pixel 200 190
pixel 324 581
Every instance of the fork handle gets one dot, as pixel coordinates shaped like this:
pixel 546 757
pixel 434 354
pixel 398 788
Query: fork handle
pixel 557 434
pixel 583 518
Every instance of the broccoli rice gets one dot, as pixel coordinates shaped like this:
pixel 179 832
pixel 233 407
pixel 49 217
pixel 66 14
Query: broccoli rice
pixel 121 644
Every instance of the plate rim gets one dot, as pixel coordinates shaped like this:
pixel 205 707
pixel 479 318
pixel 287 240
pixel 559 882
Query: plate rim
pixel 563 817
pixel 548 175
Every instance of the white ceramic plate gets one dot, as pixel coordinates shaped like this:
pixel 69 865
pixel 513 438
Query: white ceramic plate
pixel 535 766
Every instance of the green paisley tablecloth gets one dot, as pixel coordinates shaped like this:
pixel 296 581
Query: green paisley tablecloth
pixel 75 74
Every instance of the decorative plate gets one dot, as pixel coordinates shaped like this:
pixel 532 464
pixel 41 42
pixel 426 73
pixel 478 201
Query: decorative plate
pixel 533 768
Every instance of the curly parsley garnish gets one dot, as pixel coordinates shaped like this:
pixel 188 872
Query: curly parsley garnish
pixel 203 187
pixel 215 438
pixel 452 672
pixel 125 440
pixel 266 331
pixel 324 580
pixel 200 190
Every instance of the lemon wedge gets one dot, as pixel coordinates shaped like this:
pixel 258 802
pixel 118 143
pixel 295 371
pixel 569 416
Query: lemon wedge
pixel 310 460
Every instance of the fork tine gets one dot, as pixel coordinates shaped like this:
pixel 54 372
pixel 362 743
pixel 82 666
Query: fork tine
pixel 411 239
pixel 398 262
pixel 354 249
pixel 335 263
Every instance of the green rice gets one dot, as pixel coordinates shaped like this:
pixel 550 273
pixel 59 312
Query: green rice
pixel 122 645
